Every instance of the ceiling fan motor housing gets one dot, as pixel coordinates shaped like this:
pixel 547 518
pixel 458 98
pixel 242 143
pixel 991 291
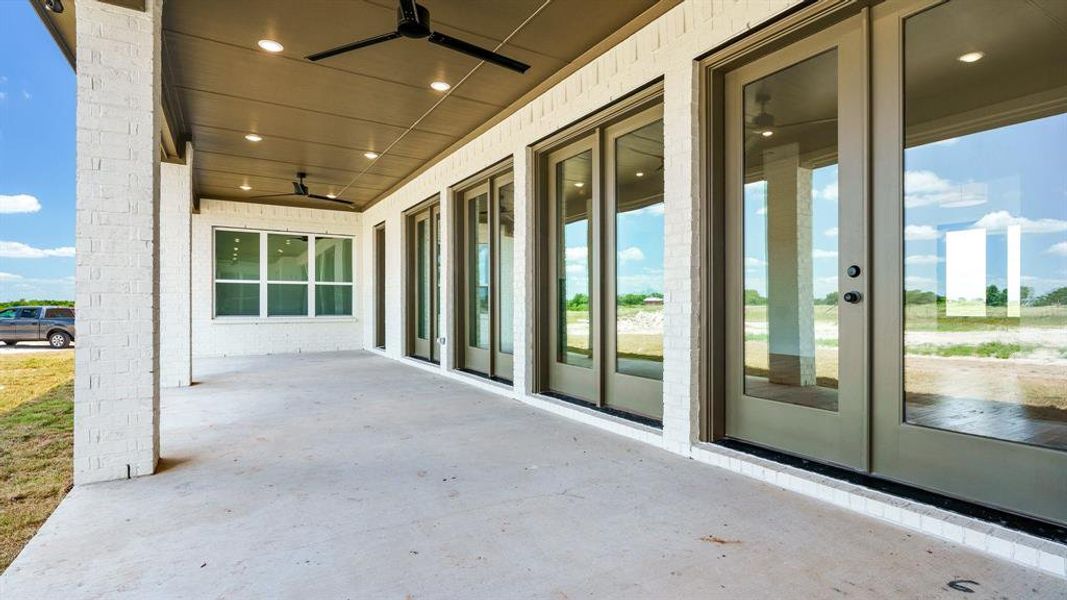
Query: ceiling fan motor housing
pixel 413 26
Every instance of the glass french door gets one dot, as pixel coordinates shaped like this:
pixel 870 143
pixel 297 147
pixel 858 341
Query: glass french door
pixel 488 269
pixel 379 286
pixel 796 374
pixel 425 283
pixel 605 262
pixel 970 239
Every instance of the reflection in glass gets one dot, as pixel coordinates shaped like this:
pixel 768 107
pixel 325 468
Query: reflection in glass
pixel 985 220
pixel 287 299
pixel 574 192
pixel 237 299
pixel 790 234
pixel 506 239
pixel 333 300
pixel 639 252
pixel 287 257
pixel 236 255
pixel 422 279
pixel 333 259
pixel 478 270
pixel 436 217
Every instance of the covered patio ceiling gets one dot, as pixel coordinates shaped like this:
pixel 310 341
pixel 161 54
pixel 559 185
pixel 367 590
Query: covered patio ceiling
pixel 323 118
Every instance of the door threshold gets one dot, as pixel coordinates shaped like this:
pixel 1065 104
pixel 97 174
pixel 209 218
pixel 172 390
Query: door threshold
pixel 1009 520
pixel 650 422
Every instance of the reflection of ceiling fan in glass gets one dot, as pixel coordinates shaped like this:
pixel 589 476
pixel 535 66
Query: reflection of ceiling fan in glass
pixel 764 124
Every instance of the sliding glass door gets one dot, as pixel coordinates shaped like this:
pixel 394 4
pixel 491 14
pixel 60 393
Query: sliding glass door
pixel 605 261
pixel 486 270
pixel 424 283
pixel 379 286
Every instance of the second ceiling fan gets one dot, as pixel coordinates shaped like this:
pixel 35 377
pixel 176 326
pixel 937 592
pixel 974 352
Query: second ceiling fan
pixel 413 21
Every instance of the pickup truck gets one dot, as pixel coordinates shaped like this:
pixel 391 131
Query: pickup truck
pixel 36 323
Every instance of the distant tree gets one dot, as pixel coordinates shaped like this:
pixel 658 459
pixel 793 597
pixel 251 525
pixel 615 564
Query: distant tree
pixel 35 302
pixel 578 302
pixel 632 299
pixel 753 298
pixel 829 299
pixel 919 297
pixel 1057 297
pixel 1026 294
pixel 995 296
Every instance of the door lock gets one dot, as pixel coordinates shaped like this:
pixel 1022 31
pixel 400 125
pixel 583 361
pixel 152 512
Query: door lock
pixel 853 271
pixel 852 297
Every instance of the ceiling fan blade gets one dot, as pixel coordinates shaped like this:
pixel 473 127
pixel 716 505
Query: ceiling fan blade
pixel 408 11
pixel 477 52
pixel 385 37
pixel 329 199
pixel 271 196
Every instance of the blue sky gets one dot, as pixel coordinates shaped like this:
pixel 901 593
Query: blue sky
pixel 37 99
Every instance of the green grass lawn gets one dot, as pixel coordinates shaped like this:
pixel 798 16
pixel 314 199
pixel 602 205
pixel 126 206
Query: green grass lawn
pixel 36 443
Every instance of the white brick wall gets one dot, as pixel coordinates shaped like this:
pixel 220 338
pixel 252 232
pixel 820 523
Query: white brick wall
pixel 175 228
pixel 116 382
pixel 664 48
pixel 236 337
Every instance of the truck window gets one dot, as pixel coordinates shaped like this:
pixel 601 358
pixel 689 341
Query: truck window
pixel 8 314
pixel 59 313
pixel 28 313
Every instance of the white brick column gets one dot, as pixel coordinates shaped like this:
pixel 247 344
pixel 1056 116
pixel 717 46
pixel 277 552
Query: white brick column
pixel 116 384
pixel 175 294
pixel 395 285
pixel 682 257
pixel 447 301
pixel 525 286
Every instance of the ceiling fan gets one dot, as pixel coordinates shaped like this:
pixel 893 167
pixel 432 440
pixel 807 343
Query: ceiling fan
pixel 764 122
pixel 301 189
pixel 413 21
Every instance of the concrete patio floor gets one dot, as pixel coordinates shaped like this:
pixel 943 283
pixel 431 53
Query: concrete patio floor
pixel 348 475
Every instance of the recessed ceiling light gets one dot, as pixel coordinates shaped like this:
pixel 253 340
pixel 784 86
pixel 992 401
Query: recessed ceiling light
pixel 579 184
pixel 639 174
pixel 971 57
pixel 441 86
pixel 271 45
pixel 767 133
pixel 252 137
pixel 371 155
pixel 331 196
pixel 245 187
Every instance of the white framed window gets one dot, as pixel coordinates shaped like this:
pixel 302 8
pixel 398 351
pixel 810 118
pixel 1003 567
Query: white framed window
pixel 270 274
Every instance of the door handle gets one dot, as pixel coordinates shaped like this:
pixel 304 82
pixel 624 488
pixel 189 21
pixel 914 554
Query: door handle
pixel 853 297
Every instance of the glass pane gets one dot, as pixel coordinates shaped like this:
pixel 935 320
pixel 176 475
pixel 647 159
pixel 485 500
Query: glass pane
pixel 574 195
pixel 639 252
pixel 287 257
pixel 506 239
pixel 236 255
pixel 237 299
pixel 436 275
pixel 333 259
pixel 333 300
pixel 478 270
pixel 287 299
pixel 790 234
pixel 985 220
pixel 422 279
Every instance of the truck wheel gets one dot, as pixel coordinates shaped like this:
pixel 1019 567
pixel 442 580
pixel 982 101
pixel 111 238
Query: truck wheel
pixel 59 339
pixel 10 342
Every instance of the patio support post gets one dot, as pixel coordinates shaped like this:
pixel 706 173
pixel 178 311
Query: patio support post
pixel 525 281
pixel 175 279
pixel 116 384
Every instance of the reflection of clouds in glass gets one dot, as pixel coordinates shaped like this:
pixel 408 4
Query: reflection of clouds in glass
pixel 922 259
pixel 923 188
pixel 761 210
pixel 647 281
pixel 916 281
pixel 827 192
pixel 820 253
pixel 831 232
pixel 631 254
pixel 1059 249
pixel 1002 219
pixel 751 261
pixel 920 232
pixel 577 253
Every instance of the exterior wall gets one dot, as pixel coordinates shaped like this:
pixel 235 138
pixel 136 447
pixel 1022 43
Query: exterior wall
pixel 276 335
pixel 116 382
pixel 175 228
pixel 666 48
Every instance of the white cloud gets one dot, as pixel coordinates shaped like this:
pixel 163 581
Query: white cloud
pixel 19 203
pixel 828 192
pixel 922 259
pixel 831 232
pixel 920 232
pixel 1001 219
pixel 3 96
pixel 752 261
pixel 577 253
pixel 9 276
pixel 915 281
pixel 20 250
pixel 923 188
pixel 575 269
pixel 26 95
pixel 820 253
pixel 631 254
pixel 761 210
pixel 1059 249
